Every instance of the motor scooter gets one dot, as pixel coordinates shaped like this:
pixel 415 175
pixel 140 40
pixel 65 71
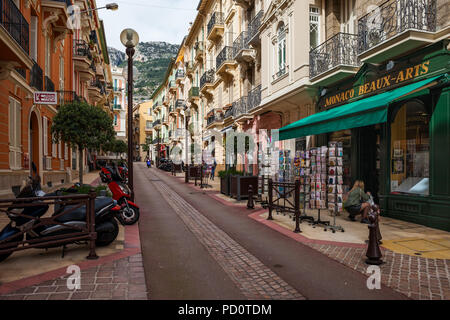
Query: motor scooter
pixel 27 218
pixel 129 213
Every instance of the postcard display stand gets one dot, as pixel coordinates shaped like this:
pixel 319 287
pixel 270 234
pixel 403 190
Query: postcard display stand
pixel 335 182
pixel 302 172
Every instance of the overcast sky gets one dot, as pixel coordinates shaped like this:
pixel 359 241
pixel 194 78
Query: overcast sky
pixel 154 20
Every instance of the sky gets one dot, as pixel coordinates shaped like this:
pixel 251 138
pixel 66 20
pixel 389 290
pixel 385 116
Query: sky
pixel 153 20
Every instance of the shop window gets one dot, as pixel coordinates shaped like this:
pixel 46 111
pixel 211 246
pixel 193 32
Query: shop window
pixel 410 149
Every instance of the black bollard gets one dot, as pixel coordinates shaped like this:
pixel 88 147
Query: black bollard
pixel 250 204
pixel 373 253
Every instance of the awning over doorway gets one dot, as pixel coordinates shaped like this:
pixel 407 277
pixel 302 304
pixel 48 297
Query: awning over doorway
pixel 364 112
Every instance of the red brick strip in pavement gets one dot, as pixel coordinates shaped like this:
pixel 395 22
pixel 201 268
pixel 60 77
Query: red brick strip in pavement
pixel 250 275
pixel 118 280
pixel 416 277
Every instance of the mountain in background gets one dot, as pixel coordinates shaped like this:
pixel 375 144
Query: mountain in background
pixel 151 59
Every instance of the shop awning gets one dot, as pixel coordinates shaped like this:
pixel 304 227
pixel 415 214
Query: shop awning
pixel 364 112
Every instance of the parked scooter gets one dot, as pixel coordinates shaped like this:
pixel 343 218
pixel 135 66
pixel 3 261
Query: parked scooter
pixel 105 224
pixel 129 213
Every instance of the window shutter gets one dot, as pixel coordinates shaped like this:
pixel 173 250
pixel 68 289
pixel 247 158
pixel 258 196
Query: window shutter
pixel 33 37
pixel 45 130
pixel 15 134
pixel 66 151
pixel 60 151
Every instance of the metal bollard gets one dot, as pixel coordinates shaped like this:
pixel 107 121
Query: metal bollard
pixel 270 217
pixel 250 204
pixel 373 253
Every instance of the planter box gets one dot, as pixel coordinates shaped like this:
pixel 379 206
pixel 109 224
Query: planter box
pixel 225 185
pixel 239 186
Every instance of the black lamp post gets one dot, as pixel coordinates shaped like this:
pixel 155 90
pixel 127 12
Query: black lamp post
pixel 130 39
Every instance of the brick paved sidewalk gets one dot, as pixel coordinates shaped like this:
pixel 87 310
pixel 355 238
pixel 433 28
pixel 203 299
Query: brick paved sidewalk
pixel 118 280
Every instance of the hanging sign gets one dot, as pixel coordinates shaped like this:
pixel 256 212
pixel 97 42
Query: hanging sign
pixel 45 98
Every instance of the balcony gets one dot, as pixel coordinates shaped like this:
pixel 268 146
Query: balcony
pixel 335 59
pixel 254 99
pixel 157 124
pixel 189 67
pixel 117 107
pixel 171 110
pixel 253 29
pixel 82 59
pixel 207 81
pixel 165 100
pixel 172 85
pixel 179 75
pixel 95 90
pixel 65 97
pixel 37 77
pixel 241 49
pixel 396 27
pixel 225 62
pixel 199 49
pixel 214 119
pixel 194 94
pixel 49 85
pixel 157 106
pixel 240 107
pixel 15 35
pixel 55 16
pixel 216 26
pixel 179 105
pixel 229 112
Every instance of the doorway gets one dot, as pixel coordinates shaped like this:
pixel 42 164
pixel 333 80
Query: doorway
pixel 34 142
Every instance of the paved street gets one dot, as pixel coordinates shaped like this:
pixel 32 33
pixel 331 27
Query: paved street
pixel 195 247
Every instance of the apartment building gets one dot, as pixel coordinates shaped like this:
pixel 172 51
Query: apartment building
pixel 145 128
pixel 120 103
pixel 40 53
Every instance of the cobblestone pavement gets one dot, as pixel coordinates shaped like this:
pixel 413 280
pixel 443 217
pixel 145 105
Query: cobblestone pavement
pixel 122 279
pixel 250 275
pixel 415 277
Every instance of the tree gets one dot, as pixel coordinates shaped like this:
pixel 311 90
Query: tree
pixel 116 146
pixel 82 126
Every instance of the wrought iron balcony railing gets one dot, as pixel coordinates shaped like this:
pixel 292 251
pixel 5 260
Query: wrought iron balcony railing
pixel 253 27
pixel 156 122
pixel 49 85
pixel 225 55
pixel 280 72
pixel 179 104
pixel 81 49
pixel 229 112
pixel 240 106
pixel 37 77
pixel 216 19
pixel 207 77
pixel 240 43
pixel 339 50
pixel 218 117
pixel 394 17
pixel 67 97
pixel 14 22
pixel 180 74
pixel 254 98
pixel 193 92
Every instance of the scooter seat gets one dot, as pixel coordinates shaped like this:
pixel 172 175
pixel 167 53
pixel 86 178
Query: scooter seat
pixel 79 214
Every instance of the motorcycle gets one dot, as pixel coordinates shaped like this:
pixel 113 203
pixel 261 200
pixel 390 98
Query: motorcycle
pixel 105 224
pixel 129 212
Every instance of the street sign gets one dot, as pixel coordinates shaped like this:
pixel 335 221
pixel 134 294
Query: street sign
pixel 45 98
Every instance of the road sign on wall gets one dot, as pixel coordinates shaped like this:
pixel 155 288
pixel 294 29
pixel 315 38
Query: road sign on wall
pixel 45 98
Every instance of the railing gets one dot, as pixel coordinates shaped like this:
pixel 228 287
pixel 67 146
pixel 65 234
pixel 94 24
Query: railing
pixel 199 48
pixel 156 122
pixel 280 72
pixel 341 49
pixel 218 117
pixel 240 43
pixel 81 49
pixel 253 27
pixel 37 77
pixel 14 22
pixel 67 97
pixel 393 18
pixel 216 19
pixel 28 225
pixel 240 106
pixel 225 55
pixel 180 74
pixel 49 85
pixel 189 66
pixel 254 98
pixel 193 92
pixel 179 104
pixel 229 112
pixel 117 107
pixel 207 77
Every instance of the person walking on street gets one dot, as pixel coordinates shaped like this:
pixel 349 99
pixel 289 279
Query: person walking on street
pixel 213 170
pixel 149 163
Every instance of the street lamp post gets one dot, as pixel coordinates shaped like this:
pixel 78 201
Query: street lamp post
pixel 186 118
pixel 130 39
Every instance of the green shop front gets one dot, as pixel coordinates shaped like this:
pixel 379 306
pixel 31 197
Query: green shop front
pixel 394 123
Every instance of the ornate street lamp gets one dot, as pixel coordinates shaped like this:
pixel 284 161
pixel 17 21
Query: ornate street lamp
pixel 130 39
pixel 187 114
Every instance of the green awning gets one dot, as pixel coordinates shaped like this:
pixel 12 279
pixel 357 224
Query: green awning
pixel 364 112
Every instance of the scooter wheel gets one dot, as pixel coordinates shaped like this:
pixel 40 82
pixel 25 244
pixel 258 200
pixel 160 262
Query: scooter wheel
pixel 106 238
pixel 129 215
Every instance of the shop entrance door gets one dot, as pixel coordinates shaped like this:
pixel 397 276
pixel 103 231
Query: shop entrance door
pixel 369 158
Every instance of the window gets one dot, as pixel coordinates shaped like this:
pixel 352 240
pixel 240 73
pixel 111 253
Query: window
pixel 314 14
pixel 281 49
pixel 15 137
pixel 61 73
pixel 410 149
pixel 115 84
pixel 48 59
pixel 45 131
pixel 115 120
pixel 33 37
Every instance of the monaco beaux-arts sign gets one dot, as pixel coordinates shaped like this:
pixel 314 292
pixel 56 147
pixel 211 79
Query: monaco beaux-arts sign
pixel 45 98
pixel 383 82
